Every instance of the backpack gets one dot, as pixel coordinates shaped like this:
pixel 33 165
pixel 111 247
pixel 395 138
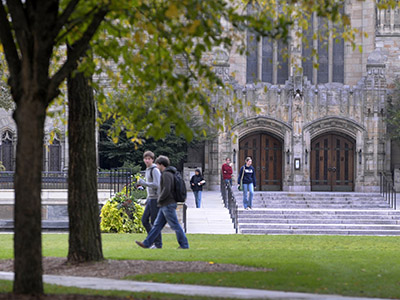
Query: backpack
pixel 151 172
pixel 179 191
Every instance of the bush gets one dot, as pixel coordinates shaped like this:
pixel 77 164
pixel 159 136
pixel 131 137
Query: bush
pixel 122 214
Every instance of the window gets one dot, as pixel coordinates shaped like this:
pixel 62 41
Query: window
pixel 55 156
pixel 7 150
pixel 330 51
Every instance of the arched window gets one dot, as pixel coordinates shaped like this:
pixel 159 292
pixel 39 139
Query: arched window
pixel 7 150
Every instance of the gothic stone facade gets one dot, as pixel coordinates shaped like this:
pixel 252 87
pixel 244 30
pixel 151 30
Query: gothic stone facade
pixel 317 130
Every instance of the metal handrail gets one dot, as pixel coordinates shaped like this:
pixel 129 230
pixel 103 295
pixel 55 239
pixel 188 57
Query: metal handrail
pixel 230 203
pixel 387 190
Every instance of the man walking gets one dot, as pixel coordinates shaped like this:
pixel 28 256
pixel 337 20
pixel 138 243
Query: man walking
pixel 152 185
pixel 167 204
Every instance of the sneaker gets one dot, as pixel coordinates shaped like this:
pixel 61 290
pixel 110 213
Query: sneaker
pixel 153 247
pixel 250 208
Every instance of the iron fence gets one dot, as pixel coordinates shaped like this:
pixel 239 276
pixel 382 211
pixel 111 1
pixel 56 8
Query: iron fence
pixel 114 180
pixel 230 203
pixel 387 190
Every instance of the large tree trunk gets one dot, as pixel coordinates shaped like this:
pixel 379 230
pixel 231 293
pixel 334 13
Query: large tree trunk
pixel 30 119
pixel 83 207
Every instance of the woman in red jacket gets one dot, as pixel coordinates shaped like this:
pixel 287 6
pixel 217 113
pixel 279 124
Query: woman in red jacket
pixel 227 171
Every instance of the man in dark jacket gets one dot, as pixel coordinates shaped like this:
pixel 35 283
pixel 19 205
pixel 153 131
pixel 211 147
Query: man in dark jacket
pixel 167 204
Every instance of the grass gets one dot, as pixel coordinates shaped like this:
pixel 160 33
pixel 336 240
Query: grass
pixel 345 265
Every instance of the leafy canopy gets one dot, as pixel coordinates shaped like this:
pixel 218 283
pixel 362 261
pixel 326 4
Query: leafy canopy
pixel 157 54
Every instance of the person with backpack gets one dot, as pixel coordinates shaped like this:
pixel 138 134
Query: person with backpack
pixel 196 184
pixel 152 184
pixel 171 191
pixel 247 180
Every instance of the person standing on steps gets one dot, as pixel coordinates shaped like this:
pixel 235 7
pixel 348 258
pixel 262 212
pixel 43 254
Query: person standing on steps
pixel 167 204
pixel 227 171
pixel 152 184
pixel 196 184
pixel 247 179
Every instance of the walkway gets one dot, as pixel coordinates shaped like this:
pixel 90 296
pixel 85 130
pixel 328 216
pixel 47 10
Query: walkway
pixel 212 217
pixel 181 289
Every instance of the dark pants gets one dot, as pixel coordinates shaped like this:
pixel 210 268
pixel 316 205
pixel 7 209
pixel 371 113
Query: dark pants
pixel 150 214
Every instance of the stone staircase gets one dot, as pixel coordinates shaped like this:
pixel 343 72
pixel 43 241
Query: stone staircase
pixel 318 213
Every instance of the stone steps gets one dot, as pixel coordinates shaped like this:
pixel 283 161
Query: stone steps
pixel 309 213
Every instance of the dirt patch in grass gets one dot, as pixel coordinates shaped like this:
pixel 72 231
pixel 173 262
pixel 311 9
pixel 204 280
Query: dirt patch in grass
pixel 117 269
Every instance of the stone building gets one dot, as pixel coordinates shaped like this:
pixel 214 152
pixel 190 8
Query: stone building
pixel 55 150
pixel 319 129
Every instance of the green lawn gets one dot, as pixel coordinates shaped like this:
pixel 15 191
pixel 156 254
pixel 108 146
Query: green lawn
pixel 356 266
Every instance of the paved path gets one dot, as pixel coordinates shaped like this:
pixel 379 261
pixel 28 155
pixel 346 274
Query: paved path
pixel 211 218
pixel 182 289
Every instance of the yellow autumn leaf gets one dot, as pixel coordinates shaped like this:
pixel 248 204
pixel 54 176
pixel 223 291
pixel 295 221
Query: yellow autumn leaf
pixel 172 11
pixel 192 28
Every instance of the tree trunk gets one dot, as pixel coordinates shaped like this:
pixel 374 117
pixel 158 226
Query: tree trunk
pixel 28 270
pixel 83 207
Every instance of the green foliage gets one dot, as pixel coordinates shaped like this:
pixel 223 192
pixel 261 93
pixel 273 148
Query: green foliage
pixel 129 154
pixel 5 94
pixel 162 54
pixel 122 214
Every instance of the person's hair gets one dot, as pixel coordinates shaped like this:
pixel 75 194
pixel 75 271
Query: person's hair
pixel 227 158
pixel 248 158
pixel 148 154
pixel 198 170
pixel 162 160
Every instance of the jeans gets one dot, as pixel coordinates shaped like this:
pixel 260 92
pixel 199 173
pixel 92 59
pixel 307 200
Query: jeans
pixel 197 198
pixel 150 214
pixel 228 181
pixel 248 187
pixel 167 214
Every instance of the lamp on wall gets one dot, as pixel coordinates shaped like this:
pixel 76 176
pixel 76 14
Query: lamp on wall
pixel 359 156
pixel 306 157
pixel 234 156
pixel 287 155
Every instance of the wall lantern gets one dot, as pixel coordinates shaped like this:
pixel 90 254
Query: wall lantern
pixel 306 157
pixel 287 155
pixel 359 156
pixel 234 156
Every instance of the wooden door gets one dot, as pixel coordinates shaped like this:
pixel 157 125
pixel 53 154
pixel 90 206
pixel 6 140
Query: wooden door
pixel 266 153
pixel 332 163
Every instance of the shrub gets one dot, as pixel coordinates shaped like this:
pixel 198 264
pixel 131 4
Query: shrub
pixel 122 214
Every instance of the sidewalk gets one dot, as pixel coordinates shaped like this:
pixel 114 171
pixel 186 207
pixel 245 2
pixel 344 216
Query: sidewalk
pixel 211 218
pixel 181 289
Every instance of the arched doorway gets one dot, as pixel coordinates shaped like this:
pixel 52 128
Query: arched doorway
pixel 332 163
pixel 266 153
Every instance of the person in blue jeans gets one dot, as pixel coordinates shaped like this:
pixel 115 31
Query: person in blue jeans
pixel 247 176
pixel 196 184
pixel 152 184
pixel 167 204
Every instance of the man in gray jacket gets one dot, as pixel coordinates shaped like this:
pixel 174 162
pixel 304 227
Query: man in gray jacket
pixel 167 205
pixel 152 185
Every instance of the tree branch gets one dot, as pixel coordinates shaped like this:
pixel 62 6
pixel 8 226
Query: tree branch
pixel 63 18
pixel 78 50
pixel 10 50
pixel 21 27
